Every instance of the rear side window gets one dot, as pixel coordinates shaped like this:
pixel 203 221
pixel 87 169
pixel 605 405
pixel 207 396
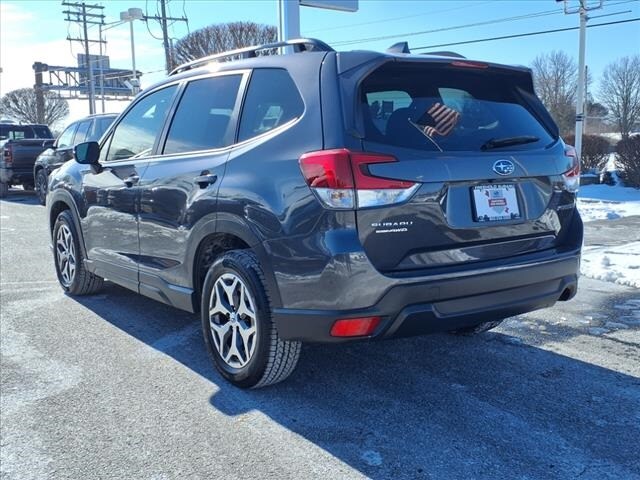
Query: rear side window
pixel 272 100
pixel 437 107
pixel 203 117
pixel 100 126
pixel 42 132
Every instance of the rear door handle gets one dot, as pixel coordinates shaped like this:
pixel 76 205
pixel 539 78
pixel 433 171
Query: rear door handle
pixel 205 180
pixel 131 181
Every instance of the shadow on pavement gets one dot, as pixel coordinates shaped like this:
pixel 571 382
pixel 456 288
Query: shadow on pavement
pixel 428 407
pixel 21 196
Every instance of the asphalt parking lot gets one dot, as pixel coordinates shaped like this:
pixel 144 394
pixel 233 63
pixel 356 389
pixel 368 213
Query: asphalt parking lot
pixel 119 386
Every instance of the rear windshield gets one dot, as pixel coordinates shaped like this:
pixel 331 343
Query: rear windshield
pixel 438 107
pixel 18 132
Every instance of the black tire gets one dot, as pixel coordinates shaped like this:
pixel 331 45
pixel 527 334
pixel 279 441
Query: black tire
pixel 27 187
pixel 478 329
pixel 4 189
pixel 41 185
pixel 272 359
pixel 81 282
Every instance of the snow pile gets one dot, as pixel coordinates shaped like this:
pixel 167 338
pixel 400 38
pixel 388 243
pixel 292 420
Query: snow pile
pixel 613 264
pixel 605 202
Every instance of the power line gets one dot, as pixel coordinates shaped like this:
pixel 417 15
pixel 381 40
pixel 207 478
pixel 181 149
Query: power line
pixel 81 14
pixel 528 34
pixel 477 24
pixel 163 19
pixel 455 27
pixel 404 17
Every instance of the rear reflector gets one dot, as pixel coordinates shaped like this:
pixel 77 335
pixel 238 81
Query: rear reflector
pixel 355 327
pixel 572 176
pixel 340 178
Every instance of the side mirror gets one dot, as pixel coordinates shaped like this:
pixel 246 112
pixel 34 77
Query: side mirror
pixel 48 143
pixel 87 153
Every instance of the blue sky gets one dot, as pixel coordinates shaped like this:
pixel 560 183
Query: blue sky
pixel 36 31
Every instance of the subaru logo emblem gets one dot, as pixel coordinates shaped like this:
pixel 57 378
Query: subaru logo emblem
pixel 504 167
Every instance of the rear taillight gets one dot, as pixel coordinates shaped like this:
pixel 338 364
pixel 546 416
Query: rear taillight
pixel 8 155
pixel 572 176
pixel 341 179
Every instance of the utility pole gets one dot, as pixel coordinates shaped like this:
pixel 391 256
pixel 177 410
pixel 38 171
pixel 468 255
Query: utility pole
pixel 83 16
pixel 586 100
pixel 580 113
pixel 163 19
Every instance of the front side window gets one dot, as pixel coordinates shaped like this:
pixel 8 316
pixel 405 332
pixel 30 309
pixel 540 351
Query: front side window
pixel 136 133
pixel 203 117
pixel 272 100
pixel 66 138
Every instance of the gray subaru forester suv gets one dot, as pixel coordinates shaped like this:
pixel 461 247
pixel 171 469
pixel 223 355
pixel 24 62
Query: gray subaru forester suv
pixel 325 196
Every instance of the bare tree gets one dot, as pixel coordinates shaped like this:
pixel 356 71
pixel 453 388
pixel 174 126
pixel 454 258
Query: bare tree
pixel 20 105
pixel 620 92
pixel 555 76
pixel 220 38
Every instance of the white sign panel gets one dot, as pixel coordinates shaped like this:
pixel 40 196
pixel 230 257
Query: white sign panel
pixel 343 5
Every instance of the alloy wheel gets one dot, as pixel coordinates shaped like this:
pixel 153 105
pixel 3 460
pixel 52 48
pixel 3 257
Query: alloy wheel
pixel 232 319
pixel 66 255
pixel 41 186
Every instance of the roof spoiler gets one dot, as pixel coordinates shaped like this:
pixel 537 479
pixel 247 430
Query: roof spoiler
pixel 400 47
pixel 444 54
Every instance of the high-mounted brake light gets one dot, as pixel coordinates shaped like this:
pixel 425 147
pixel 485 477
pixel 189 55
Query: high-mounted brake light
pixel 341 179
pixel 468 64
pixel 572 176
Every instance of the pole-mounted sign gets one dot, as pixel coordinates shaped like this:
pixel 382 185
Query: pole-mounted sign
pixel 289 13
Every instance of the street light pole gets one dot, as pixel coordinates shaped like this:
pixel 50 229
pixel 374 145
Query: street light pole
pixel 133 59
pixel 129 16
pixel 101 70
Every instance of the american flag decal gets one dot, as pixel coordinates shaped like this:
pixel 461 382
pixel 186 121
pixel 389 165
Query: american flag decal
pixel 445 120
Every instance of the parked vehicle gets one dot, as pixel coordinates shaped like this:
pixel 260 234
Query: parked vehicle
pixel 87 129
pixel 325 196
pixel 20 145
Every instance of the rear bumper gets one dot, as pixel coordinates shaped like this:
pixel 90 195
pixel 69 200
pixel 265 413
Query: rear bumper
pixel 446 304
pixel 15 175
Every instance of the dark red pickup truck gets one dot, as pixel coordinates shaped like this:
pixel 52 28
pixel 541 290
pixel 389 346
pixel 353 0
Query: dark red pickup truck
pixel 20 146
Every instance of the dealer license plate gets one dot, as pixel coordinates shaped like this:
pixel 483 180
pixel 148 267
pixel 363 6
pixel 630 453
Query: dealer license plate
pixel 495 202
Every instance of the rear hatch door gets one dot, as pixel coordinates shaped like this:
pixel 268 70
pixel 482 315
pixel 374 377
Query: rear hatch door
pixel 484 152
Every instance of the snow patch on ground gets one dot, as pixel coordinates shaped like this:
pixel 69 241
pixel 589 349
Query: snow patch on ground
pixel 619 265
pixel 605 202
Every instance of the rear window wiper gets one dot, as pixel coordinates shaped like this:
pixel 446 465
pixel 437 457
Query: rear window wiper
pixel 508 141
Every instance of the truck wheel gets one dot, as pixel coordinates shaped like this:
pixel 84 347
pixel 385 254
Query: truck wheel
pixel 69 261
pixel 4 189
pixel 41 186
pixel 237 324
pixel 477 329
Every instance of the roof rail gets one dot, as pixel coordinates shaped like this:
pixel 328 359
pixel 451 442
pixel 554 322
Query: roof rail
pixel 298 44
pixel 400 47
pixel 444 54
